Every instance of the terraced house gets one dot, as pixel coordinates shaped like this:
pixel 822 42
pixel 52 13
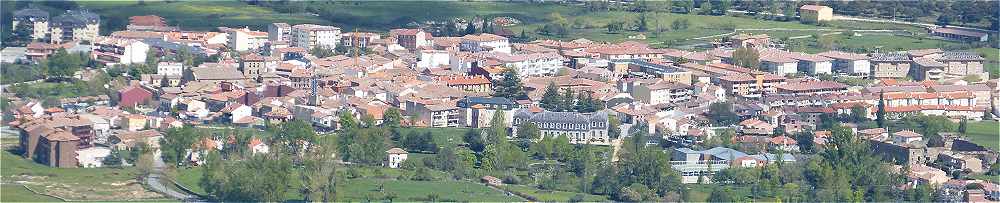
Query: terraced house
pixel 580 128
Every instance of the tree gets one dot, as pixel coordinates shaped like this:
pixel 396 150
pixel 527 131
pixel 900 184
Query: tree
pixel 880 115
pixel 944 20
pixel 805 141
pixel 963 126
pixel 21 35
pixel 746 57
pixel 319 172
pixel 475 139
pixel 705 8
pixel 722 113
pixel 293 134
pixel 347 121
pixel 528 130
pixel 470 28
pixel 64 64
pixel 509 86
pixel 614 130
pixel 858 114
pixel 177 142
pixel 551 98
pixel 321 52
pixel 568 101
pixel 641 23
pixel 113 160
pixel 720 194
pixel 392 118
pixel 680 24
pixel 152 59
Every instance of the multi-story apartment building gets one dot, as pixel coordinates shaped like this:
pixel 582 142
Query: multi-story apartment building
pixel 750 85
pixel 245 39
pixel 252 65
pixel 37 20
pixel 309 36
pixel 110 50
pixel 170 68
pixel 890 65
pixel 849 63
pixel 663 92
pixel 411 38
pixel 580 128
pixel 485 42
pixel 279 32
pixel 75 25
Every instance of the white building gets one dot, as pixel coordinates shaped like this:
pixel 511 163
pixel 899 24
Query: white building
pixel 310 35
pixel 38 19
pixel 536 64
pixel 396 157
pixel 485 42
pixel 170 68
pixel 814 64
pixel 245 39
pixel 433 58
pixel 110 50
pixel 848 63
pixel 92 157
pixel 278 32
pixel 663 92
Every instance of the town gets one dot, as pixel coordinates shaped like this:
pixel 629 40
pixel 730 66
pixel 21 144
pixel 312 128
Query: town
pixel 477 109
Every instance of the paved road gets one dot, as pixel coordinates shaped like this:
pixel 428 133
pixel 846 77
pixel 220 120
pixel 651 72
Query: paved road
pixel 155 182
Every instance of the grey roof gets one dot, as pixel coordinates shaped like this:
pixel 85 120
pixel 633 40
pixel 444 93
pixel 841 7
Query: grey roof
pixel 952 88
pixel 470 101
pixel 560 117
pixel 720 153
pixel 216 72
pixel 76 18
pixel 769 156
pixel 31 13
pixel 163 44
pixel 12 54
pixel 889 56
pixel 960 56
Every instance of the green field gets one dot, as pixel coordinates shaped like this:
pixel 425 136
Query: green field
pixel 74 183
pixel 17 193
pixel 442 136
pixel 992 63
pixel 553 196
pixel 986 133
pixel 360 189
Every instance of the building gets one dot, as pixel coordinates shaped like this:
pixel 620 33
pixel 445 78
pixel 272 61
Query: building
pixel 960 34
pixel 903 153
pixel 434 58
pixel 110 50
pixel 663 92
pixel 479 111
pixel 535 64
pixel 666 72
pixel 473 83
pixel 309 36
pixel 36 19
pixel 961 64
pixel 701 166
pixel 149 23
pixel 411 38
pixel 279 32
pixel 54 141
pixel 960 162
pixel 395 158
pixel 890 65
pixel 814 64
pixel 75 25
pixel 485 42
pixel 252 65
pixel 743 40
pixel 811 87
pixel 815 13
pixel 580 128
pixel 851 64
pixel 170 68
pixel 751 85
pixel 245 39
pixel 361 38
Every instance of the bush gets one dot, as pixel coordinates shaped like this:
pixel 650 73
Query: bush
pixel 511 179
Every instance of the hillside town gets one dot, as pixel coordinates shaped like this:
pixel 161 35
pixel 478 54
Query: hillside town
pixel 744 104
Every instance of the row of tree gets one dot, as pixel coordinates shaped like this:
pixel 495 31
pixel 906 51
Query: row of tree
pixel 582 102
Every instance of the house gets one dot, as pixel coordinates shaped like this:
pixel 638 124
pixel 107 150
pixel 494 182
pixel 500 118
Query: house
pixel 92 157
pixel 779 62
pixel 960 34
pixel 133 122
pixel 913 153
pixel 663 92
pixel 411 38
pixel 134 95
pixel 849 63
pixel 580 128
pixel 75 25
pixel 493 181
pixel 813 64
pixel 252 65
pixel 362 39
pixel 127 140
pixel 699 166
pixel 961 162
pixel 309 36
pixel 754 126
pixel 784 143
pixel 479 111
pixel 655 68
pixel 111 50
pixel 474 83
pixel 744 40
pixel 215 72
pixel 815 13
pixel 245 39
pixel 37 21
pixel 395 158
pixel 433 58
pixel 485 42
pixel 891 65
pixel 257 146
pixel 32 109
pixel 170 68
pixel 54 141
pixel 927 175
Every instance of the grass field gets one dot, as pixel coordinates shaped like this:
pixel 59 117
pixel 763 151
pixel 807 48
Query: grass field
pixel 17 193
pixel 992 63
pixel 442 136
pixel 74 183
pixel 553 196
pixel 986 133
pixel 361 189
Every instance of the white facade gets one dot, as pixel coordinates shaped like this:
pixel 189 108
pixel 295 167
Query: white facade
pixel 780 68
pixel 433 58
pixel 484 42
pixel 92 157
pixel 396 159
pixel 309 36
pixel 120 51
pixel 170 68
pixel 245 39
